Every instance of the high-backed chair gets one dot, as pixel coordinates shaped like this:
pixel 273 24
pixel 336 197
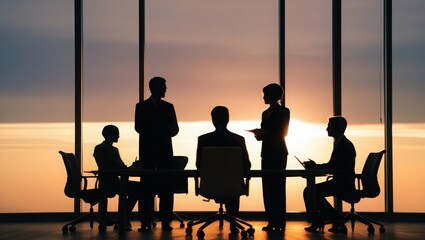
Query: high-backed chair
pixel 179 186
pixel 367 187
pixel 221 177
pixel 73 190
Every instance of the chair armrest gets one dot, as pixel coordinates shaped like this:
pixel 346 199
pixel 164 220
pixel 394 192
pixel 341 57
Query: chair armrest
pixel 247 186
pixel 196 186
pixel 358 177
pixel 85 181
pixel 96 184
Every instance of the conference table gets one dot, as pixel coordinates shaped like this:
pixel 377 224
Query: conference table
pixel 309 174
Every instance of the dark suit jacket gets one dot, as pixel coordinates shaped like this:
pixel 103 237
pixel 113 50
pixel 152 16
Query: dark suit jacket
pixel 273 148
pixel 108 158
pixel 222 139
pixel 156 125
pixel 342 159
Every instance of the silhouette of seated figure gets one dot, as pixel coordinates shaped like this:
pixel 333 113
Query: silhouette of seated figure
pixel 342 184
pixel 108 158
pixel 222 137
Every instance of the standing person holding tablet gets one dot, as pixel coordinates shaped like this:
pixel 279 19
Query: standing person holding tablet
pixel 274 154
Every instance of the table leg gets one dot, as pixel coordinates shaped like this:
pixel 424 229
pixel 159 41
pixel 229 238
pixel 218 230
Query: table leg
pixel 284 202
pixel 338 204
pixel 122 203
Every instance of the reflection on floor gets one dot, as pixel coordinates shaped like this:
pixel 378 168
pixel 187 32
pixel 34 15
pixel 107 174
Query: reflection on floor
pixel 294 231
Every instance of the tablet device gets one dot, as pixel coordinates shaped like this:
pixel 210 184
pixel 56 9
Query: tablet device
pixel 300 161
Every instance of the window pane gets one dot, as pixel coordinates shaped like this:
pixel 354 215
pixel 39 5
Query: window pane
pixel 213 53
pixel 409 116
pixel 308 88
pixel 111 77
pixel 36 104
pixel 362 83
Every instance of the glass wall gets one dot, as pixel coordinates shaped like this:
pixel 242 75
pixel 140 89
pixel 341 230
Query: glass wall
pixel 409 98
pixel 36 104
pixel 308 88
pixel 111 77
pixel 362 85
pixel 211 53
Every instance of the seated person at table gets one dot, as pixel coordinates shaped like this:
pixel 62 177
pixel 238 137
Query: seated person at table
pixel 223 137
pixel 342 160
pixel 108 158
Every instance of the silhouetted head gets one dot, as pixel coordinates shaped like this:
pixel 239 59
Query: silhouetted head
pixel 272 93
pixel 220 117
pixel 111 133
pixel 157 87
pixel 336 126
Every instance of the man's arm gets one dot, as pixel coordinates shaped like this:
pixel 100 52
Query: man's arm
pixel 199 153
pixel 100 158
pixel 245 156
pixel 119 160
pixel 173 125
pixel 138 118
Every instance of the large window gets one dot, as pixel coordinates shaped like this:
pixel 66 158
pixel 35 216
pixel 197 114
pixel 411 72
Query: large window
pixel 111 77
pixel 409 116
pixel 36 104
pixel 211 53
pixel 308 88
pixel 362 85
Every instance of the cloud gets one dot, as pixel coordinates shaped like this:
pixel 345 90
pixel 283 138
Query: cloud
pixel 211 52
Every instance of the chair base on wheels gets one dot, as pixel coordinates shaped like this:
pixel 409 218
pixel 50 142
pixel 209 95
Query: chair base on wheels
pixel 179 216
pixel 220 216
pixel 352 216
pixel 70 226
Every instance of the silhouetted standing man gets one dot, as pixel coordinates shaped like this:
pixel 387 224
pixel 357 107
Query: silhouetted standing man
pixel 223 137
pixel 156 123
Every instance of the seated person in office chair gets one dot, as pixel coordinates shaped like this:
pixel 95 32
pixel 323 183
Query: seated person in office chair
pixel 343 161
pixel 223 137
pixel 108 158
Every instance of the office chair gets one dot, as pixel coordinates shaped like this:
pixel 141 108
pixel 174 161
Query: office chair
pixel 179 186
pixel 367 187
pixel 73 190
pixel 221 178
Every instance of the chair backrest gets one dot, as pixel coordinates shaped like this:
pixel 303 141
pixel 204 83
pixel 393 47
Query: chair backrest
pixel 73 181
pixel 369 175
pixel 180 182
pixel 221 173
pixel 180 162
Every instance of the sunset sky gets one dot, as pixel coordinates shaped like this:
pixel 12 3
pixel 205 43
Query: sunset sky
pixel 211 52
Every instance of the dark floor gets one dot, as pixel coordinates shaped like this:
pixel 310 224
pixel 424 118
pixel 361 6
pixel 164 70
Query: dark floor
pixel 294 230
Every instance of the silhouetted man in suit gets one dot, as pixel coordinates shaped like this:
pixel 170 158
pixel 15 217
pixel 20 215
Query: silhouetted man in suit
pixel 343 160
pixel 223 137
pixel 108 158
pixel 156 123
